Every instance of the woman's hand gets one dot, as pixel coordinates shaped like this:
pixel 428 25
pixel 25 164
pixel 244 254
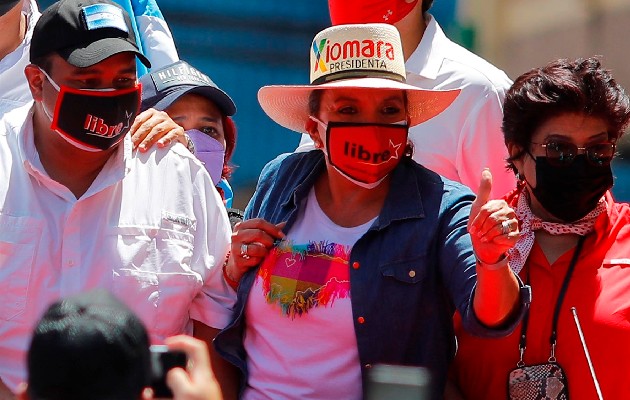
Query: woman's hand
pixel 151 126
pixel 197 382
pixel 492 225
pixel 251 241
pixel 494 230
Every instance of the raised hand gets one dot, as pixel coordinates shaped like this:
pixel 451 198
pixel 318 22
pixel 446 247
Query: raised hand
pixel 197 382
pixel 492 225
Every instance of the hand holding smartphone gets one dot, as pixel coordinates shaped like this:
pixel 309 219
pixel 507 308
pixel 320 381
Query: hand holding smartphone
pixel 162 361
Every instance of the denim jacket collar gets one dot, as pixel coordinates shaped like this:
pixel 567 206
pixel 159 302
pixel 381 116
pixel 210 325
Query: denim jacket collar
pixel 403 203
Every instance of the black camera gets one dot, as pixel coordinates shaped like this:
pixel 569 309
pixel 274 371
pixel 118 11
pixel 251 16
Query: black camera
pixel 162 361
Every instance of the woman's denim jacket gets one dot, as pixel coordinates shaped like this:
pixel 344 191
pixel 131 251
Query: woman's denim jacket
pixel 408 274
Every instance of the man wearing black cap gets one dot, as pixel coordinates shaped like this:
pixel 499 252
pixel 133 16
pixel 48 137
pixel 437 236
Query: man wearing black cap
pixel 17 21
pixel 81 209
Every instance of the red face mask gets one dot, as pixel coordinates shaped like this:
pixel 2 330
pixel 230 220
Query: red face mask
pixel 365 153
pixel 369 11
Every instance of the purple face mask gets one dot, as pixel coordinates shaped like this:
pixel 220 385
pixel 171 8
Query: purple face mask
pixel 210 152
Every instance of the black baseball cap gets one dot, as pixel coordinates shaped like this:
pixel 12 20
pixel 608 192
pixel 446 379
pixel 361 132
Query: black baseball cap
pixel 164 86
pixel 84 32
pixel 6 5
pixel 89 346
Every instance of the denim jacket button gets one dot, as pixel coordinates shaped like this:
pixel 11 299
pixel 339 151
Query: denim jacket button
pixel 360 320
pixel 356 265
pixel 412 273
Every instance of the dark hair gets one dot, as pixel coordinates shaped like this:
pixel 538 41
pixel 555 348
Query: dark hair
pixel 426 5
pixel 562 86
pixel 229 132
pixel 89 346
pixel 44 62
pixel 315 100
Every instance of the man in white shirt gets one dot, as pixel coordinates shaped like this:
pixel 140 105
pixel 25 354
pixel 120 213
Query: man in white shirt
pixel 465 138
pixel 81 209
pixel 17 20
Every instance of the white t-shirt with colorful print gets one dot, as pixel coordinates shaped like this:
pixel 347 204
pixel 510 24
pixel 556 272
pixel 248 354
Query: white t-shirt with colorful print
pixel 300 338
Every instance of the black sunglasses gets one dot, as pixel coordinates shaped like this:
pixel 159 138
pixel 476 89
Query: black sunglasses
pixel 562 154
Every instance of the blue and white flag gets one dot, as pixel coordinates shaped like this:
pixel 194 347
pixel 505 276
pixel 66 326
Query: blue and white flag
pixel 153 36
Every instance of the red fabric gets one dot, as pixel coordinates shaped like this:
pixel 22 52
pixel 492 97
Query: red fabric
pixel 366 153
pixel 369 11
pixel 600 291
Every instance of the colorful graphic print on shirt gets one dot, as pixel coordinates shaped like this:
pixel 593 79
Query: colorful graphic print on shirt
pixel 299 277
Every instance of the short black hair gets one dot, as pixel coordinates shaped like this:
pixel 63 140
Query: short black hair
pixel 426 5
pixel 44 62
pixel 89 346
pixel 563 86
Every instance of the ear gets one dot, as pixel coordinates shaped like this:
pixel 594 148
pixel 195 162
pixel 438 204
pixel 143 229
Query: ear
pixel 311 128
pixel 35 79
pixel 514 150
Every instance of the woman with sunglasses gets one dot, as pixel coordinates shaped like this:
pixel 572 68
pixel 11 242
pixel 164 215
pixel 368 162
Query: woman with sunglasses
pixel 561 123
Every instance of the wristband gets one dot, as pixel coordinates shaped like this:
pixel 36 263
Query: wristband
pixel 233 284
pixel 503 262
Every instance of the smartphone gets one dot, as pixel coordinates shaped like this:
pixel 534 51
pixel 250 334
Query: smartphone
pixel 398 382
pixel 163 360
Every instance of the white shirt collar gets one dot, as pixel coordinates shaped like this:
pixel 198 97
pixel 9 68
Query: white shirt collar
pixel 428 56
pixel 117 166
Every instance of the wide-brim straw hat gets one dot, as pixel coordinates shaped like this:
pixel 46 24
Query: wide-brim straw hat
pixel 361 57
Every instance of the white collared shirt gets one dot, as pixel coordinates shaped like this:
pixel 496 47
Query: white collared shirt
pixel 14 90
pixel 466 137
pixel 151 228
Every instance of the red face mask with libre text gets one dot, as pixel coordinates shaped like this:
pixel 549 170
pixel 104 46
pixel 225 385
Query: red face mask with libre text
pixel 369 11
pixel 365 153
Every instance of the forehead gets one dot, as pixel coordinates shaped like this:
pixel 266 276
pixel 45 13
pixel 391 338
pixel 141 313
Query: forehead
pixel 578 128
pixel 192 102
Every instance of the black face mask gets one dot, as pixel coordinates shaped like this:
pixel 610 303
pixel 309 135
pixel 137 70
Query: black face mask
pixel 94 120
pixel 571 192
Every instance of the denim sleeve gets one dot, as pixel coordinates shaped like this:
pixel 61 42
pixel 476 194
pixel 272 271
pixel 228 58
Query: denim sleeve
pixel 263 188
pixel 458 267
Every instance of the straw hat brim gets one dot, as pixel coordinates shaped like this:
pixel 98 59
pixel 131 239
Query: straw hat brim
pixel 287 105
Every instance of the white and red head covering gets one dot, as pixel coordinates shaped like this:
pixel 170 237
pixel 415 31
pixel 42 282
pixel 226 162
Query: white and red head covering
pixel 358 57
pixel 369 11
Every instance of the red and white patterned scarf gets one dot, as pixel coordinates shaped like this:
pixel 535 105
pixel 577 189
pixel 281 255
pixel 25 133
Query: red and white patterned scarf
pixel 529 223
